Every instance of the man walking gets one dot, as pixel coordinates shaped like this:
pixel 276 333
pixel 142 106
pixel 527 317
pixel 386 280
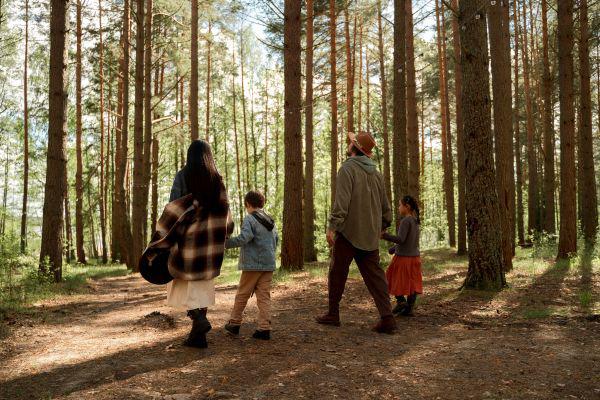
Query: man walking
pixel 360 213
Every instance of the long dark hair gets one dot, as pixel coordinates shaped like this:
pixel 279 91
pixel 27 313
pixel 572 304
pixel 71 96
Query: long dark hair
pixel 202 179
pixel 412 203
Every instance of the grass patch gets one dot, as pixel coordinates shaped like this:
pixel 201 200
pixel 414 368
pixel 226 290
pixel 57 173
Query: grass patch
pixel 24 284
pixel 586 299
pixel 537 313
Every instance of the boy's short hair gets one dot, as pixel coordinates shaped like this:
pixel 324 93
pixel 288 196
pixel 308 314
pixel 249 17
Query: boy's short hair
pixel 255 199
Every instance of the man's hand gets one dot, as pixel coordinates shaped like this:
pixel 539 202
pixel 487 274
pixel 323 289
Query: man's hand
pixel 330 237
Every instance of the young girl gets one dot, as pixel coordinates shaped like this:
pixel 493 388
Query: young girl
pixel 404 273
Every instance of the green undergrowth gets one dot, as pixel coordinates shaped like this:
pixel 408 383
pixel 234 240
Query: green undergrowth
pixel 22 284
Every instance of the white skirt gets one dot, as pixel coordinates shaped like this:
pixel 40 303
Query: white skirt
pixel 189 295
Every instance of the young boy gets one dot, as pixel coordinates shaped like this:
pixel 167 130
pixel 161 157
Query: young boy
pixel 258 242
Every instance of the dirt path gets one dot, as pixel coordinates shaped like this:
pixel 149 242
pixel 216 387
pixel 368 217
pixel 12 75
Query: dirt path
pixel 100 346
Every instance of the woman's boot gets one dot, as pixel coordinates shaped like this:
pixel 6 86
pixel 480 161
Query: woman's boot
pixel 410 304
pixel 200 327
pixel 400 305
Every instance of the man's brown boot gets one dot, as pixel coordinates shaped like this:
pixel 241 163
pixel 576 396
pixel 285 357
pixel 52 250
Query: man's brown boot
pixel 386 325
pixel 328 319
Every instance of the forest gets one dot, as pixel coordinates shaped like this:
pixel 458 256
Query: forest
pixel 487 112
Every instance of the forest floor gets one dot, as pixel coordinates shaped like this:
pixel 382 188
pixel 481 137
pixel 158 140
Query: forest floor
pixel 539 338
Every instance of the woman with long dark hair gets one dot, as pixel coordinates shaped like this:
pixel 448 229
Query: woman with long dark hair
pixel 196 260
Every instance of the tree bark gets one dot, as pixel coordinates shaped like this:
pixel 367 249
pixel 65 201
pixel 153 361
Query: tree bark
pixel 246 148
pixel 147 122
pixel 585 151
pixel 567 243
pixel 120 208
pixel 485 254
pixel 349 72
pixel 292 248
pixel 501 85
pixel 102 199
pixel 54 191
pixel 399 111
pixel 333 98
pixel 384 107
pixel 25 134
pixel 533 209
pixel 548 127
pixel 194 73
pixel 237 149
pixel 412 117
pixel 448 182
pixel 520 228
pixel 460 145
pixel 208 79
pixel 310 253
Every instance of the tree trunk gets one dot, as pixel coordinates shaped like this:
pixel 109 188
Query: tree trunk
pixel 412 117
pixel 517 134
pixel 137 201
pixel 147 122
pixel 292 248
pixel 533 208
pixel 69 254
pixel 244 120
pixel 548 126
pixel 208 79
pixel 567 243
pixel 54 191
pixel 266 126
pixel 333 98
pixel 25 135
pixel 360 75
pixel 384 110
pixel 501 83
pixel 102 199
pixel 349 72
pixel 485 253
pixel 310 253
pixel 194 74
pixel 399 111
pixel 445 125
pixel 237 149
pixel 120 208
pixel 585 151
pixel 460 141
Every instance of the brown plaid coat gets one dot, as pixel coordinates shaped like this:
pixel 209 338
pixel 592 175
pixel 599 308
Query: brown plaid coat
pixel 196 239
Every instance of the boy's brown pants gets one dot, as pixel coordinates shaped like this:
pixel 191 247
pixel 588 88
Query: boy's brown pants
pixel 258 282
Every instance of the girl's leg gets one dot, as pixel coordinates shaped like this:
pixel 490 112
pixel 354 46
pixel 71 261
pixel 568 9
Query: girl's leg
pixel 400 304
pixel 410 304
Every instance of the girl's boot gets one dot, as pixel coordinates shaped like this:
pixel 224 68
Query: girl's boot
pixel 410 304
pixel 200 327
pixel 400 305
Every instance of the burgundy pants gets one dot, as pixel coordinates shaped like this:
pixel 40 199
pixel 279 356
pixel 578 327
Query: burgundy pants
pixel 368 265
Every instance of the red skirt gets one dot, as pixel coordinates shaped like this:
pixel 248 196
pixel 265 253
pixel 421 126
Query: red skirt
pixel 404 276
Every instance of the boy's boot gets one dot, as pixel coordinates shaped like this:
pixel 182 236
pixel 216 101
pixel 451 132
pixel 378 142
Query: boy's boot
pixel 262 335
pixel 200 327
pixel 400 305
pixel 410 304
pixel 232 329
pixel 386 324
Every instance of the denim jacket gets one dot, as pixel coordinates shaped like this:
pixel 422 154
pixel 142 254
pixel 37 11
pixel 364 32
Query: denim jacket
pixel 258 245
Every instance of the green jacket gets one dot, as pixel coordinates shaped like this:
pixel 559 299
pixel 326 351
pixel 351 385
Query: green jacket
pixel 361 209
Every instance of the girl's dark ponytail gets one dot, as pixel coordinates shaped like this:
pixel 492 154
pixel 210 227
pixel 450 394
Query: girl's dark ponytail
pixel 412 203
